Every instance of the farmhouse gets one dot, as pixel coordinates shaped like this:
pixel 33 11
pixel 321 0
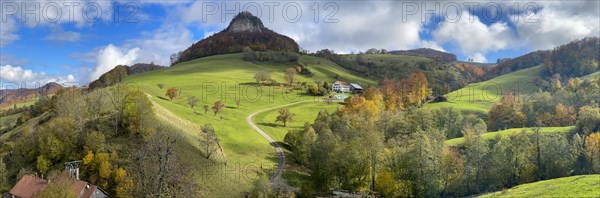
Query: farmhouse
pixel 29 185
pixel 340 86
pixel 355 88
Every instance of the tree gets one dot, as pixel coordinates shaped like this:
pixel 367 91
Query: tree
pixel 262 76
pixel 160 85
pixel 588 120
pixel 285 116
pixel 218 107
pixel 592 146
pixel 506 113
pixel 3 176
pixel 290 74
pixel 205 109
pixel 138 113
pixel 61 186
pixel 172 93
pixel 300 142
pixel 159 171
pixel 210 142
pixel 238 103
pixel 474 156
pixel 193 102
pixel 451 169
pixel 449 119
pixel 314 89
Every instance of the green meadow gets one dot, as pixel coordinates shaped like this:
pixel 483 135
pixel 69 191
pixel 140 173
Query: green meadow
pixel 228 78
pixel 478 98
pixel 574 186
pixel 508 132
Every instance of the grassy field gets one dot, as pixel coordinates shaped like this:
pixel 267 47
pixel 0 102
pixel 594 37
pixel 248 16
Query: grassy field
pixel 478 98
pixel 507 132
pixel 574 186
pixel 229 78
pixel 8 121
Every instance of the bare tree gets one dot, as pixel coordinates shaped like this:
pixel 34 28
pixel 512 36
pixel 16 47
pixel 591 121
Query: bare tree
pixel 290 74
pixel 210 141
pixel 262 76
pixel 193 102
pixel 159 171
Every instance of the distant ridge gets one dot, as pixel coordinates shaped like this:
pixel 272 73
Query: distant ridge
pixel 12 96
pixel 117 74
pixel 427 53
pixel 244 30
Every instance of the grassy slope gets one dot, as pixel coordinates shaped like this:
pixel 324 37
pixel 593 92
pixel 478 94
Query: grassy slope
pixel 8 120
pixel 242 145
pixel 574 186
pixel 478 98
pixel 507 132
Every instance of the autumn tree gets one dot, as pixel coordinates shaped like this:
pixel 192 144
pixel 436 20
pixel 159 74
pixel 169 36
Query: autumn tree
pixel 138 113
pixel 451 170
pixel 290 75
pixel 262 76
pixel 172 93
pixel 285 116
pixel 210 142
pixel 506 113
pixel 193 102
pixel 218 107
pixel 592 146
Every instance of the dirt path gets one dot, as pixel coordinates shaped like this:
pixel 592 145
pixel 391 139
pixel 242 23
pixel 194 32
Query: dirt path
pixel 276 178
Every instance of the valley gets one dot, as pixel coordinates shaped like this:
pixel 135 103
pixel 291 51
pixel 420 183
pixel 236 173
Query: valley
pixel 247 112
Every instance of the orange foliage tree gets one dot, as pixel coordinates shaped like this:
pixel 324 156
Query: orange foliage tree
pixel 506 113
pixel 172 93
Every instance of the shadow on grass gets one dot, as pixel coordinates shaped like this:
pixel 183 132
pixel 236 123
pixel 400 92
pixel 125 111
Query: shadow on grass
pixel 163 98
pixel 268 124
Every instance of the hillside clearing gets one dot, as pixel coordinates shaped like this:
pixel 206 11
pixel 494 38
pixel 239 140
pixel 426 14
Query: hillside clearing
pixel 508 132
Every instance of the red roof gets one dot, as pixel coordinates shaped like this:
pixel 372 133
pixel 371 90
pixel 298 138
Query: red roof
pixel 27 186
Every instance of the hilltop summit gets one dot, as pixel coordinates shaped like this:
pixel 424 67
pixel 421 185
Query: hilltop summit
pixel 244 30
pixel 245 22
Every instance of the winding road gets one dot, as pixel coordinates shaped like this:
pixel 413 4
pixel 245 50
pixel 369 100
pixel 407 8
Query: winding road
pixel 276 178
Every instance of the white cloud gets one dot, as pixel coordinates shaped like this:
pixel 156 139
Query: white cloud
pixel 354 30
pixel 8 28
pixel 111 56
pixel 478 57
pixel 157 45
pixel 558 23
pixel 432 45
pixel 474 36
pixel 15 75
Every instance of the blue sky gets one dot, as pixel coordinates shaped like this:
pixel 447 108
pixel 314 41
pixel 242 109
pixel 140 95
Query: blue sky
pixel 75 49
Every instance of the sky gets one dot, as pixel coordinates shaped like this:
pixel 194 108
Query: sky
pixel 73 42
